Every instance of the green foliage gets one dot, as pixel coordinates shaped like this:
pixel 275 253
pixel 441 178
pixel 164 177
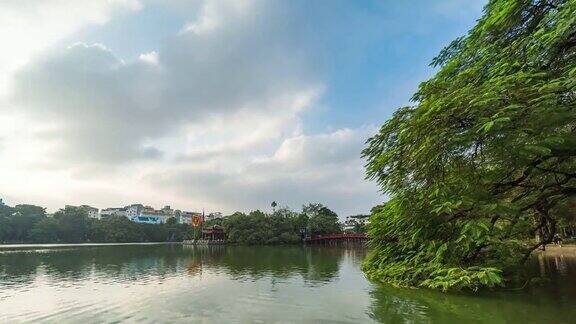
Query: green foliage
pixel 259 228
pixel 486 158
pixel 28 223
pixel 321 220
pixel 119 229
pixel 16 222
pixel 45 231
pixel 283 226
pixel 73 224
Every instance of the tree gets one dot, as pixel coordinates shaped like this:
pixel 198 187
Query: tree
pixel 73 224
pixel 45 231
pixel 486 157
pixel 31 210
pixel 285 227
pixel 5 228
pixel 22 219
pixel 321 220
pixel 281 227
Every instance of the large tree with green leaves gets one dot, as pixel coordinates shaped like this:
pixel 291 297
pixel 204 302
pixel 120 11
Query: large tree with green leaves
pixel 486 158
pixel 322 220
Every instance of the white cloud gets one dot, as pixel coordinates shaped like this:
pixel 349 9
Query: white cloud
pixel 106 110
pixel 151 57
pixel 326 168
pixel 210 119
pixel 31 26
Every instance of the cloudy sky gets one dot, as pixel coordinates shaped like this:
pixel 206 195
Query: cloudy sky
pixel 224 105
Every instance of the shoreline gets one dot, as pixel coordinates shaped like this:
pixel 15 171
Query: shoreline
pixel 30 246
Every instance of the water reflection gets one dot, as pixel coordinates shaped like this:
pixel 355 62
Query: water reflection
pixel 315 266
pixel 549 302
pixel 174 283
pixel 161 282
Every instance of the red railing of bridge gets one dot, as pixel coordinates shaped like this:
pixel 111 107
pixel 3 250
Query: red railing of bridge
pixel 337 237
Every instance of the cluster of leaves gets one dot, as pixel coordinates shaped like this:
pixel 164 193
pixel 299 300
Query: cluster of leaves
pixel 29 223
pixel 280 227
pixel 486 159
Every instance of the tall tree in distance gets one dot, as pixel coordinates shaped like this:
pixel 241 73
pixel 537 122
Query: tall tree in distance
pixel 73 224
pixel 321 220
pixel 486 158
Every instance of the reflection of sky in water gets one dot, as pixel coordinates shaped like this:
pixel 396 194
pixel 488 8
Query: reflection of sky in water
pixel 248 284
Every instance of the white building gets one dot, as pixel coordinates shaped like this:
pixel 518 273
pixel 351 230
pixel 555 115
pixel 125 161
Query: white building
pixel 185 217
pixel 146 214
pixel 134 210
pixel 150 215
pixel 213 216
pixel 107 212
pixel 352 221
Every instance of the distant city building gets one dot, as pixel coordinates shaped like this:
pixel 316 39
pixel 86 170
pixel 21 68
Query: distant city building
pixel 213 216
pixel 147 219
pixel 186 217
pixel 352 221
pixel 107 212
pixel 134 210
pixel 148 215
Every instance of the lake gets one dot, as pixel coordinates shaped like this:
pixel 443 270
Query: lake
pixel 235 284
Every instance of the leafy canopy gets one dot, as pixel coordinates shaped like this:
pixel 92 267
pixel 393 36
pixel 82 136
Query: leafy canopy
pixel 486 158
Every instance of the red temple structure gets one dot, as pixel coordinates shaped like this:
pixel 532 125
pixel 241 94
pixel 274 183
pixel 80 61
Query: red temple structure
pixel 213 233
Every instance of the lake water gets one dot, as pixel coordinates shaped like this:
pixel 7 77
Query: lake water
pixel 290 284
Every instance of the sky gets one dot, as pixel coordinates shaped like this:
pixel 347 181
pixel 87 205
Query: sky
pixel 223 105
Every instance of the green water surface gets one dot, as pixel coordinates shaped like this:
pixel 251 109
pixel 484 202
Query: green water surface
pixel 287 284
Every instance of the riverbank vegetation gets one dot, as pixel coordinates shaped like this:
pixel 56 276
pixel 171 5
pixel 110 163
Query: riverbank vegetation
pixel 31 224
pixel 281 227
pixel 486 158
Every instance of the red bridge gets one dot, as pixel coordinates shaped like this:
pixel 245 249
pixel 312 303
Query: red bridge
pixel 338 237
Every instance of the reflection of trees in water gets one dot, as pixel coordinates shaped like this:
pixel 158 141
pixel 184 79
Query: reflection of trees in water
pixel 556 265
pixel 390 307
pixel 17 268
pixel 550 302
pixel 356 255
pixel 558 272
pixel 315 265
pixel 323 264
pixel 401 305
pixel 75 264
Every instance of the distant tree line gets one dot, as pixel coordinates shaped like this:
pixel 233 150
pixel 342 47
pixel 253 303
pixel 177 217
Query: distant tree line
pixel 281 227
pixel 31 224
